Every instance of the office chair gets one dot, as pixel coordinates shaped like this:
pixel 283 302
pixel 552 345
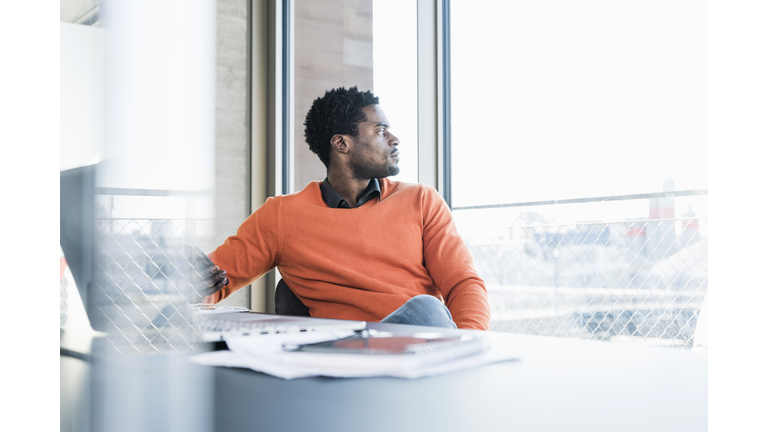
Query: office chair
pixel 286 302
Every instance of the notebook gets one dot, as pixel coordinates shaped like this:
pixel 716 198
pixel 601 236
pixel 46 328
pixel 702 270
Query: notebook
pixel 218 327
pixel 410 351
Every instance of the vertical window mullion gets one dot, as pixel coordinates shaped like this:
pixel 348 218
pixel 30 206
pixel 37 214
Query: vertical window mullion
pixel 286 96
pixel 446 90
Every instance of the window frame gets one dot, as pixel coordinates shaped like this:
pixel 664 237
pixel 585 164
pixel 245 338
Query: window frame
pixel 271 86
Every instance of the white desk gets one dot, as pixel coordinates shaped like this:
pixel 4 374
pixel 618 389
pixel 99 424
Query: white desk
pixel 558 385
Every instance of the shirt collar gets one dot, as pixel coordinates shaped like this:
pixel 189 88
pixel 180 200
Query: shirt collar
pixel 334 200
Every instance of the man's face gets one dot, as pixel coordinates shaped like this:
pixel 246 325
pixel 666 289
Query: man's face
pixel 375 153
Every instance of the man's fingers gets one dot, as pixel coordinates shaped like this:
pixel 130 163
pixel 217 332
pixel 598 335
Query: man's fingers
pixel 217 286
pixel 213 287
pixel 212 284
pixel 213 277
pixel 220 284
pixel 211 280
pixel 217 278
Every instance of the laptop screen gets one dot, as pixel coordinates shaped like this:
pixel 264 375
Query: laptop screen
pixel 76 218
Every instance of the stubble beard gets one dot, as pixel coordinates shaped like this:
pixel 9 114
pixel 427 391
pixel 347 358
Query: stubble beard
pixel 366 170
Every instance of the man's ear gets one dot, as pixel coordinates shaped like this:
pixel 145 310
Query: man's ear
pixel 340 143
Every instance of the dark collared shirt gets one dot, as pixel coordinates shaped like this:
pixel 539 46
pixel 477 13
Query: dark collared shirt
pixel 334 200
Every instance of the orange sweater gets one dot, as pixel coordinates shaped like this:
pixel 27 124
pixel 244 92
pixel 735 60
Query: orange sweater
pixel 361 263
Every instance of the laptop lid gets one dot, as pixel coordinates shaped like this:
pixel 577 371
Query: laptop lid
pixel 76 241
pixel 76 217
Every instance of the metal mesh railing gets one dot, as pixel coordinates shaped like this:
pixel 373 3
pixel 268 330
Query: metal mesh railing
pixel 628 281
pixel 142 294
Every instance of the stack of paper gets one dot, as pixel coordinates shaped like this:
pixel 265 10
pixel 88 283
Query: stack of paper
pixel 265 354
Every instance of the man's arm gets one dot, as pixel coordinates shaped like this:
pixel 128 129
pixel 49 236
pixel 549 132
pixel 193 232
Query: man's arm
pixel 451 266
pixel 249 254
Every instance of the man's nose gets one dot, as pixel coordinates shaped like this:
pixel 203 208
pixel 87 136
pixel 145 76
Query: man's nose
pixel 394 141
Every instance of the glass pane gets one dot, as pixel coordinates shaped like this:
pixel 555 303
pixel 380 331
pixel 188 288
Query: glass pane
pixel 352 43
pixel 561 100
pixel 395 77
pixel 152 93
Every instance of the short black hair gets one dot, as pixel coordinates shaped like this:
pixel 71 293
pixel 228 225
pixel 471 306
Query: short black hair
pixel 338 112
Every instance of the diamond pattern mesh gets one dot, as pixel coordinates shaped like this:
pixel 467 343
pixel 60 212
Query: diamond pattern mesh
pixel 638 281
pixel 142 293
pixel 634 281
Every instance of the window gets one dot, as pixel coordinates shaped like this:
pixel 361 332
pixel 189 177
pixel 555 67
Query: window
pixel 579 170
pixel 370 44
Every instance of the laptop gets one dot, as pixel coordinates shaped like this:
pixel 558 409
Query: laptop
pixel 217 327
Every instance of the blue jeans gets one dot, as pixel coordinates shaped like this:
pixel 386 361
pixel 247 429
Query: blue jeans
pixel 422 310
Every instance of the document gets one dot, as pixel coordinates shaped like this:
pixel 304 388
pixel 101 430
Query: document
pixel 266 353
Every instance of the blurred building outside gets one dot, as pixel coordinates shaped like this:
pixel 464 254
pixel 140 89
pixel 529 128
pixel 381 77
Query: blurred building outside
pixel 637 280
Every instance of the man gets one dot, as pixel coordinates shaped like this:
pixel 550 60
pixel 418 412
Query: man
pixel 358 246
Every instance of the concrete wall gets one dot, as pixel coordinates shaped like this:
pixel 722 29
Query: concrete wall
pixel 232 176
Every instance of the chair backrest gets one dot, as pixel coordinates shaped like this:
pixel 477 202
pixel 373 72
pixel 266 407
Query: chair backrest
pixel 286 302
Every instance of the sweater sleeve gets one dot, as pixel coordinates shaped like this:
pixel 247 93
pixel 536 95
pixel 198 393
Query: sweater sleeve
pixel 252 252
pixel 450 265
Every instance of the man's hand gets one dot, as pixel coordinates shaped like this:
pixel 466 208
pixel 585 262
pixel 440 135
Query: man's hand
pixel 212 278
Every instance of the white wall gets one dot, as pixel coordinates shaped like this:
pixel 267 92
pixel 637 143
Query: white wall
pixel 82 94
